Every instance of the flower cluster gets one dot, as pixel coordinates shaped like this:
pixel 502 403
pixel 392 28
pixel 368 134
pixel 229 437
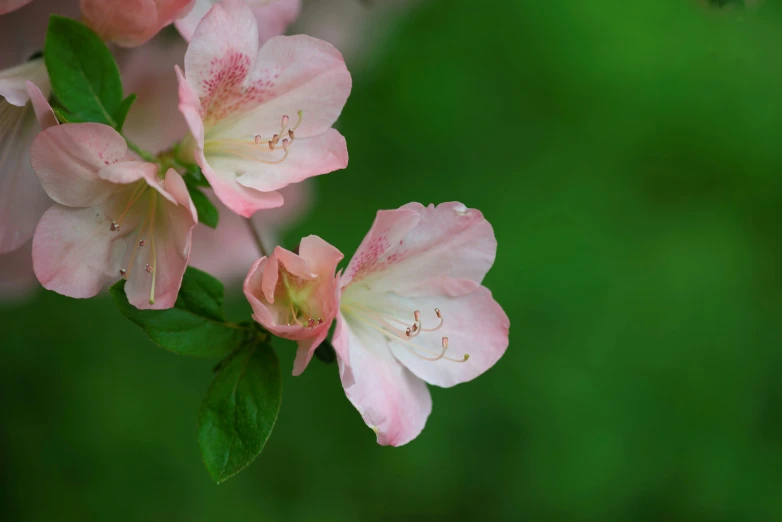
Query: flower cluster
pixel 258 111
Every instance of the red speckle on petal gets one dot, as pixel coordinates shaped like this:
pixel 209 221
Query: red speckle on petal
pixel 229 87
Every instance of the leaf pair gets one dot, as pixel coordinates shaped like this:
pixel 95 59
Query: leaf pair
pixel 241 406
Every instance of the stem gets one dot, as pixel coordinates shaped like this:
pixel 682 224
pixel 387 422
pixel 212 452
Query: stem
pixel 257 237
pixel 146 156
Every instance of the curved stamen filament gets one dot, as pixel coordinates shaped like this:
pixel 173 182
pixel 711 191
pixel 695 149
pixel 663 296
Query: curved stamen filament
pixel 134 197
pixel 377 322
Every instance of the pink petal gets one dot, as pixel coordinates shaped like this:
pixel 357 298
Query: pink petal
pixel 22 199
pixel 273 17
pixel 401 252
pixel 171 240
pixel 13 81
pixel 242 200
pixel 43 111
pixel 68 159
pixel 6 6
pixel 190 107
pixel 130 23
pixel 392 401
pixel 221 53
pixel 175 185
pixel 474 324
pixel 292 74
pixel 74 252
pixel 308 157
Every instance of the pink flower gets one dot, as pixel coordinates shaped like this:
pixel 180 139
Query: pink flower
pixel 233 235
pixel 6 6
pixel 294 296
pixel 22 200
pixel 260 119
pixel 413 312
pixel 130 23
pixel 273 16
pixel 114 217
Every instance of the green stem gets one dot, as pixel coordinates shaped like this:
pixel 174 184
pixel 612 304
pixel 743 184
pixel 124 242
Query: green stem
pixel 146 156
pixel 257 237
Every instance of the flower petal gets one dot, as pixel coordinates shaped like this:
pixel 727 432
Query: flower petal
pixel 240 199
pixel 308 157
pixel 449 240
pixel 220 56
pixel 130 23
pixel 166 250
pixel 190 107
pixel 68 158
pixel 293 75
pixel 392 401
pixel 272 17
pixel 74 251
pixel 474 323
pixel 6 6
pixel 13 81
pixel 22 199
pixel 43 111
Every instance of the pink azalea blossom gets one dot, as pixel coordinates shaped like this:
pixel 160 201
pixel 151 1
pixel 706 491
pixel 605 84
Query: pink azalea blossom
pixel 22 200
pixel 6 6
pixel 130 23
pixel 260 119
pixel 294 296
pixel 233 234
pixel 114 217
pixel 413 311
pixel 273 16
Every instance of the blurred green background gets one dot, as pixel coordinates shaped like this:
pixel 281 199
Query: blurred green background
pixel 628 155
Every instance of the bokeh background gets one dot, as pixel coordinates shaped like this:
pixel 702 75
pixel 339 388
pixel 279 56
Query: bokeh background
pixel 628 155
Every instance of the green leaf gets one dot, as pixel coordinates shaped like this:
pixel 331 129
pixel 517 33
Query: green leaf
pixel 195 177
pixel 83 72
pixel 207 212
pixel 196 325
pixel 63 116
pixel 123 110
pixel 239 411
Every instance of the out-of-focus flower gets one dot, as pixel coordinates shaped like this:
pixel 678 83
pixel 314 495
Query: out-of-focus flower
pixel 411 297
pixel 6 6
pixel 22 200
pixel 294 296
pixel 17 279
pixel 113 217
pixel 227 251
pixel 260 119
pixel 130 23
pixel 273 16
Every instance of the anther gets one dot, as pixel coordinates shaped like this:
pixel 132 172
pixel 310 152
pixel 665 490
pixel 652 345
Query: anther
pixel 311 322
pixel 320 321
pixel 275 139
pixel 445 343
pixel 285 120
pixel 417 315
pixel 123 273
pixel 437 311
pixel 285 145
pixel 114 226
pixel 257 139
pixel 415 327
pixel 148 268
pixel 141 243
pixel 290 134
pixel 271 145
pixel 408 332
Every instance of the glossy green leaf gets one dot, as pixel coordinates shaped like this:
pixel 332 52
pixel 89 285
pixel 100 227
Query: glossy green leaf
pixel 196 325
pixel 239 410
pixel 83 73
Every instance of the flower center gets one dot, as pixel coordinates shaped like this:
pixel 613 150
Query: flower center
pixel 146 227
pixel 258 149
pixel 402 332
pixel 294 296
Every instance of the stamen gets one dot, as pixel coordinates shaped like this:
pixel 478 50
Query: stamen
pixel 290 135
pixel 320 321
pixel 148 268
pixel 285 121
pixel 114 226
pixel 407 332
pixel 141 243
pixel 257 139
pixel 311 322
pixel 123 273
pixel 417 315
pixel 285 145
